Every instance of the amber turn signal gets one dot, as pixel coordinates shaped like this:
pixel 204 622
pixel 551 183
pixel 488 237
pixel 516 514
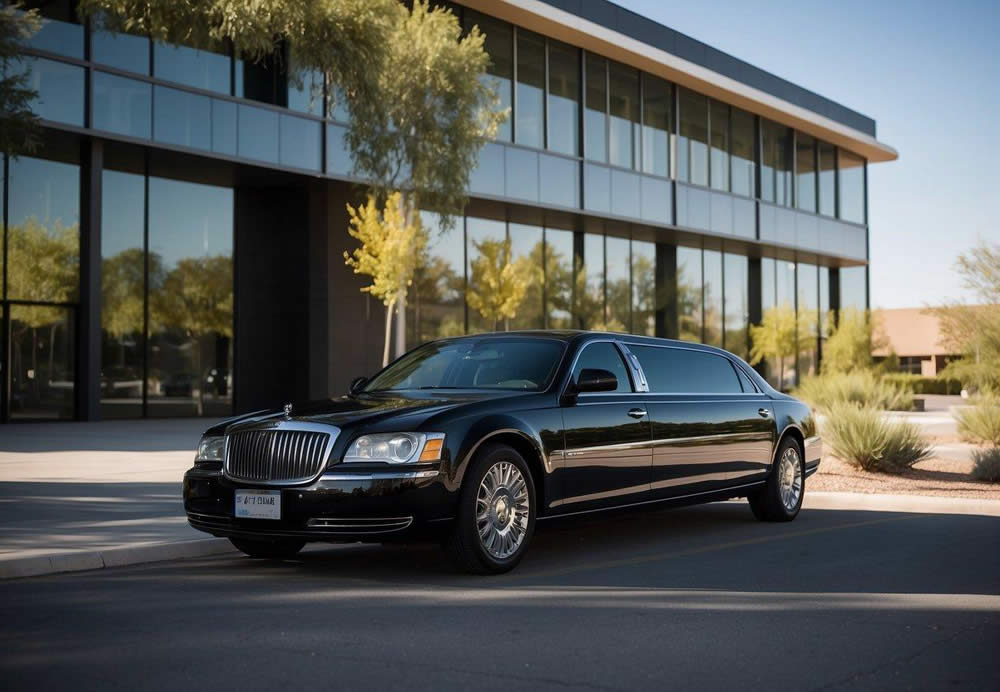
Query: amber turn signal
pixel 432 450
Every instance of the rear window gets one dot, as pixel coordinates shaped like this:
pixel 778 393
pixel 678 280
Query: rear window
pixel 683 371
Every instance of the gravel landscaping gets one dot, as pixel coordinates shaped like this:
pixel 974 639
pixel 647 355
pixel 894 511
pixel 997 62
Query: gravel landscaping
pixel 934 476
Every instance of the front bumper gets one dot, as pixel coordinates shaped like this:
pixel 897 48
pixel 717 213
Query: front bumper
pixel 339 506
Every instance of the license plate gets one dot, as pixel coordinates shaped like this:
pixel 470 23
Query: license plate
pixel 258 504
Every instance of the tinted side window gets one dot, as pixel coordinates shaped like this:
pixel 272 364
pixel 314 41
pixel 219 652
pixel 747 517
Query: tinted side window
pixel 748 387
pixel 605 356
pixel 682 371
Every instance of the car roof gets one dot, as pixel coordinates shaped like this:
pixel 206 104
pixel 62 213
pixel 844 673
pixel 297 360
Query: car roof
pixel 582 335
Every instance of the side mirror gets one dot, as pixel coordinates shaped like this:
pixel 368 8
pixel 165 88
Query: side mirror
pixel 357 383
pixel 596 380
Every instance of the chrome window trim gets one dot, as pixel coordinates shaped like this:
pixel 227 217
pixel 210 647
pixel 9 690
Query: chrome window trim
pixel 724 355
pixel 576 359
pixel 276 424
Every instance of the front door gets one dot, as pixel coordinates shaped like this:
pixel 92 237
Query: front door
pixel 607 454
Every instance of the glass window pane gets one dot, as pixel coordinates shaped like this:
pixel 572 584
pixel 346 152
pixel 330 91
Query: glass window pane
pixel 308 96
pixel 689 293
pixel 57 34
pixel 781 373
pixel 776 163
pixel 59 87
pixel 853 288
pixel 43 235
pixel 124 51
pixel 827 179
pixel 530 85
pixel 123 210
pixel 190 298
pixel 590 283
pixel 656 104
pixel 684 371
pixel 720 145
pixel 338 156
pixel 499 44
pixel 596 118
pixel 805 172
pixel 483 236
pixel 618 264
pixel 300 142
pixel 559 278
pixel 526 255
pixel 224 127
pixel 436 301
pixel 564 99
pixel 193 67
pixel 742 160
pixel 182 118
pixel 692 139
pixel 808 321
pixel 737 304
pixel 604 355
pixel 713 297
pixel 767 286
pixel 644 293
pixel 258 134
pixel 624 123
pixel 42 357
pixel 852 186
pixel 122 105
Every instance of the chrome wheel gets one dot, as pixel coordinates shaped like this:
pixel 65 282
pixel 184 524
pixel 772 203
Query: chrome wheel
pixel 502 510
pixel 790 479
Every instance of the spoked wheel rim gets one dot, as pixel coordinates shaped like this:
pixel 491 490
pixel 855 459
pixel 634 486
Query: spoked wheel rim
pixel 790 479
pixel 502 506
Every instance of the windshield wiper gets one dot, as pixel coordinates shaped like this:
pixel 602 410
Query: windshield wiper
pixel 440 386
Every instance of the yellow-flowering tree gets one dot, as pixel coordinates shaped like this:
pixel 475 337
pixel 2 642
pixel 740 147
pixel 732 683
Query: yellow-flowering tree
pixel 389 252
pixel 496 285
pixel 774 338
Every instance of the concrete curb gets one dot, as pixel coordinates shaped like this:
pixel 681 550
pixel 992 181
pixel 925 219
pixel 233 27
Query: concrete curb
pixel 114 556
pixel 920 504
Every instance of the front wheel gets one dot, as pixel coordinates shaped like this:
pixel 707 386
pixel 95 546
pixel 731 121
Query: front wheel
pixel 496 513
pixel 781 497
pixel 278 549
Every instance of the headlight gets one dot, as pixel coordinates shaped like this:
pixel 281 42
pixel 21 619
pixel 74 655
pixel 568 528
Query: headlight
pixel 211 448
pixel 396 448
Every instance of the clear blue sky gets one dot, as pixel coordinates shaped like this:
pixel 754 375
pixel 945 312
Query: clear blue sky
pixel 928 73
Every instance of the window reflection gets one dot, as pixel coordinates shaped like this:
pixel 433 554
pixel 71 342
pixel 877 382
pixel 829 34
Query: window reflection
pixel 42 358
pixel 776 163
pixel 624 123
pixel 182 118
pixel 190 298
pixel 719 119
pixel 530 116
pixel 122 105
pixel 692 138
pixel 564 99
pixel 307 97
pixel 124 51
pixel 644 289
pixel 437 300
pixel 59 87
pixel 742 159
pixel 197 68
pixel 737 304
pixel 617 264
pixel 851 175
pixel 827 179
pixel 483 236
pixel 526 248
pixel 559 279
pixel 689 293
pixel 656 106
pixel 808 319
pixel 59 32
pixel 590 283
pixel 712 267
pixel 805 172
pixel 595 123
pixel 499 44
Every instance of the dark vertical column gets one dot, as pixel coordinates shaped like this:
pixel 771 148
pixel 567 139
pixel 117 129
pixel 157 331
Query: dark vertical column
pixel 319 318
pixel 755 301
pixel 578 264
pixel 88 357
pixel 835 293
pixel 4 309
pixel 666 291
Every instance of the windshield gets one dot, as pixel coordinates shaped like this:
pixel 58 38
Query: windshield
pixel 525 364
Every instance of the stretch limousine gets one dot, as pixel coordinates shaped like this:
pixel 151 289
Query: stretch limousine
pixel 474 439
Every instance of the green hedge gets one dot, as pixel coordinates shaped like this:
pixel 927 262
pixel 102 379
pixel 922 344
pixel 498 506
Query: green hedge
pixel 918 384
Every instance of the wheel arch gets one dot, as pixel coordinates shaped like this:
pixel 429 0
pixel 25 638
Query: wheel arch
pixel 794 432
pixel 526 444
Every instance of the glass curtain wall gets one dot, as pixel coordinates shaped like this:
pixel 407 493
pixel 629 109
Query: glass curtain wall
pixel 526 252
pixel 805 172
pixel 484 251
pixel 784 284
pixel 564 99
pixel 644 290
pixel 689 294
pixel 595 124
pixel 657 98
pixel 776 163
pixel 590 283
pixel 827 179
pixel 713 294
pixel 437 300
pixel 737 304
pixel 624 127
pixel 808 319
pixel 743 160
pixel 499 44
pixel 618 270
pixel 851 182
pixel 561 271
pixel 692 137
pixel 720 145
pixel 529 119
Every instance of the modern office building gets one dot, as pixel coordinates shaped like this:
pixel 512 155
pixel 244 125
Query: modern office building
pixel 176 245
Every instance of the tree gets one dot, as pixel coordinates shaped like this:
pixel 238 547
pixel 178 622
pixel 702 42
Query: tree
pixel 851 342
pixel 496 284
pixel 774 338
pixel 974 330
pixel 391 245
pixel 18 125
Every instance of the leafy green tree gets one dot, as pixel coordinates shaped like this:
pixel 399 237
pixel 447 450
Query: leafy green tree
pixel 974 330
pixel 774 338
pixel 496 284
pixel 19 130
pixel 391 246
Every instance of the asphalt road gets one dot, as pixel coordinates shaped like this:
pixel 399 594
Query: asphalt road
pixel 698 598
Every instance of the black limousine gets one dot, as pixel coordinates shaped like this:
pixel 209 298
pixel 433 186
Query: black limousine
pixel 473 439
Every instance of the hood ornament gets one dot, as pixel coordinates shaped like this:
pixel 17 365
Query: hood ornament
pixel 288 410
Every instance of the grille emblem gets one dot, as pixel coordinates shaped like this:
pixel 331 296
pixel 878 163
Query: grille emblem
pixel 288 410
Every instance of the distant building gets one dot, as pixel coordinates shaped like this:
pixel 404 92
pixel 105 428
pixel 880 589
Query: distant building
pixel 915 336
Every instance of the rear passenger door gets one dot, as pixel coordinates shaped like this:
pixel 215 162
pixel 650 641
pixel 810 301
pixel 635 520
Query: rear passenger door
pixel 711 428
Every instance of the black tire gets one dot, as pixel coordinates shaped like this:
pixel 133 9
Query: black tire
pixel 767 504
pixel 277 549
pixel 465 545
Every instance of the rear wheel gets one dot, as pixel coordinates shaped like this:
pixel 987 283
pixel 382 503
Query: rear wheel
pixel 278 549
pixel 781 497
pixel 496 513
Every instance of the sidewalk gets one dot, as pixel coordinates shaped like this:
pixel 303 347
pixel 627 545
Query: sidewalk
pixel 87 495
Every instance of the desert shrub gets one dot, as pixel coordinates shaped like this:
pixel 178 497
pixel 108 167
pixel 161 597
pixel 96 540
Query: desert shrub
pixel 859 388
pixel 918 384
pixel 863 437
pixel 986 465
pixel 981 423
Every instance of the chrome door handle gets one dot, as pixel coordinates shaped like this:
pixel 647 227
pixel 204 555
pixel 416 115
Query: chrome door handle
pixel 637 412
pixel 764 412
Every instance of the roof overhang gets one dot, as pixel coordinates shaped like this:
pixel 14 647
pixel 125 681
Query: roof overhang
pixel 567 27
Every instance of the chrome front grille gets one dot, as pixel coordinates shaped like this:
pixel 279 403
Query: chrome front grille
pixel 277 455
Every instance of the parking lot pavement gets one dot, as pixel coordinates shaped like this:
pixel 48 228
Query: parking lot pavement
pixel 703 597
